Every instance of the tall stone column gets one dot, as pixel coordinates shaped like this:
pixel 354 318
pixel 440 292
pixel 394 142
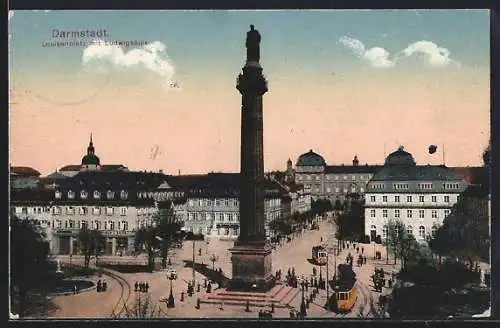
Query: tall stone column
pixel 113 247
pixel 251 255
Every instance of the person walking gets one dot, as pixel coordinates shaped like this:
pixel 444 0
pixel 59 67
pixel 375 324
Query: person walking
pixel 136 286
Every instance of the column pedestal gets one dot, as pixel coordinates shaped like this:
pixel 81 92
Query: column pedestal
pixel 252 267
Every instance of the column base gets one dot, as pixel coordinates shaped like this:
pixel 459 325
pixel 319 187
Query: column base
pixel 252 267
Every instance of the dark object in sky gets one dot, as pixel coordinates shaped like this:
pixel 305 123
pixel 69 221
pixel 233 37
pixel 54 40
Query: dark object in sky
pixel 432 149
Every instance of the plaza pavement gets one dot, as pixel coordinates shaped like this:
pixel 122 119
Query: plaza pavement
pixel 292 254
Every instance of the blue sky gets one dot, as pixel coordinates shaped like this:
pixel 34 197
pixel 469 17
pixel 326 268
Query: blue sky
pixel 206 40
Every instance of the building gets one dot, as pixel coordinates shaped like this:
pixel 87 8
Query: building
pixel 115 203
pixel 333 182
pixel 22 177
pixel 91 162
pixel 212 203
pixel 421 196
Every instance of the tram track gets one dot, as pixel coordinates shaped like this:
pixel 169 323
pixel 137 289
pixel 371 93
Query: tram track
pixel 366 308
pixel 120 305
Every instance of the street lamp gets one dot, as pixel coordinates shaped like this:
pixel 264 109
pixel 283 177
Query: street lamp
pixel 171 275
pixel 214 259
pixel 303 311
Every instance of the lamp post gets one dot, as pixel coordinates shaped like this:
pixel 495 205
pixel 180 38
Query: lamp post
pixel 303 311
pixel 194 276
pixel 172 275
pixel 327 282
pixel 214 259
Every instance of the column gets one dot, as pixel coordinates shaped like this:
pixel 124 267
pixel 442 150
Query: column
pixel 113 249
pixel 130 246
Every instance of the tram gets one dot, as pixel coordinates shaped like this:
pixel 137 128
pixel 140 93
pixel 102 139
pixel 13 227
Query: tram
pixel 345 288
pixel 319 255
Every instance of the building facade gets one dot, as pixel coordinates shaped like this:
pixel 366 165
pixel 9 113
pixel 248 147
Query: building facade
pixel 420 196
pixel 332 182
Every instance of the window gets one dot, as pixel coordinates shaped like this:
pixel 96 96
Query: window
pixel 337 189
pixel 409 214
pixel 409 230
pixel 328 189
pixel 361 189
pixel 123 194
pixel 71 194
pixel 421 231
pixel 384 213
pixel 421 214
pixel 372 213
pixel 434 214
pixel 58 194
pixel 70 210
pixel 345 190
pixel 317 178
pixel 433 231
pixel 97 211
pixel 396 199
pixel 373 227
pixel 336 177
pixel 125 225
pixel 345 177
pixel 353 189
pixel 353 177
pixel 328 177
pixel 24 210
pixel 446 213
pixel 372 199
pixel 408 199
pixel 384 199
pixel 109 211
pixel 83 194
pixel 84 224
pixel 97 194
pixel 421 198
pixel 384 232
pixel 110 194
pixel 433 199
pixel 396 213
pixel 123 211
pixel 446 199
pixel 111 225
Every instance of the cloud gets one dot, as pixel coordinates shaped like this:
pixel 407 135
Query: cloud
pixel 378 57
pixel 152 57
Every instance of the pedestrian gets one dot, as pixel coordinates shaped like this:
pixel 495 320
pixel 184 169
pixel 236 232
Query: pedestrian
pixel 357 250
pixel 136 286
pixel 362 250
pixel 74 289
pixel 147 287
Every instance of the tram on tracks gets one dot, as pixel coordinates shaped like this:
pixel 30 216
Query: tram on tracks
pixel 344 286
pixel 319 255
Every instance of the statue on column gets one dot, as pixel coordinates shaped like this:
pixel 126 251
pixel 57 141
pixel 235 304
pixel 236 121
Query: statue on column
pixel 252 44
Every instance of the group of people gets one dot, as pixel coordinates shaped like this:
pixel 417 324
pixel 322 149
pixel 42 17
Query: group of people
pixel 291 278
pixel 102 286
pixel 141 287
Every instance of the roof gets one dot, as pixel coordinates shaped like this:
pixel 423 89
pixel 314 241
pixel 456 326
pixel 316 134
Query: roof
pixel 352 169
pixel 416 172
pixel 55 176
pixel 70 168
pixel 311 159
pixel 91 159
pixel 24 171
pixel 107 167
pixel 473 175
pixel 400 157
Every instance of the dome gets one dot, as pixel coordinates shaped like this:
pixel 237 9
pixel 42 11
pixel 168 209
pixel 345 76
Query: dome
pixel 90 159
pixel 400 157
pixel 311 159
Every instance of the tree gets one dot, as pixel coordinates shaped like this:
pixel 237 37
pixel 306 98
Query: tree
pixel 402 244
pixel 161 235
pixel 145 239
pixel 88 241
pixel 29 255
pixel 167 230
pixel 351 223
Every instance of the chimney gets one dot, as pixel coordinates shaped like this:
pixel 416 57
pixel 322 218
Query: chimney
pixel 355 161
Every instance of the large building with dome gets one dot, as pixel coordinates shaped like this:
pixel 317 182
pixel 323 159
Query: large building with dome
pixel 332 182
pixel 420 196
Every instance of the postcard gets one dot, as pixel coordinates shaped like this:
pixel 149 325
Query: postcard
pixel 305 164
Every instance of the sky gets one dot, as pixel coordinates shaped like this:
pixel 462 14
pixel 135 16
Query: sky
pixel 341 83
